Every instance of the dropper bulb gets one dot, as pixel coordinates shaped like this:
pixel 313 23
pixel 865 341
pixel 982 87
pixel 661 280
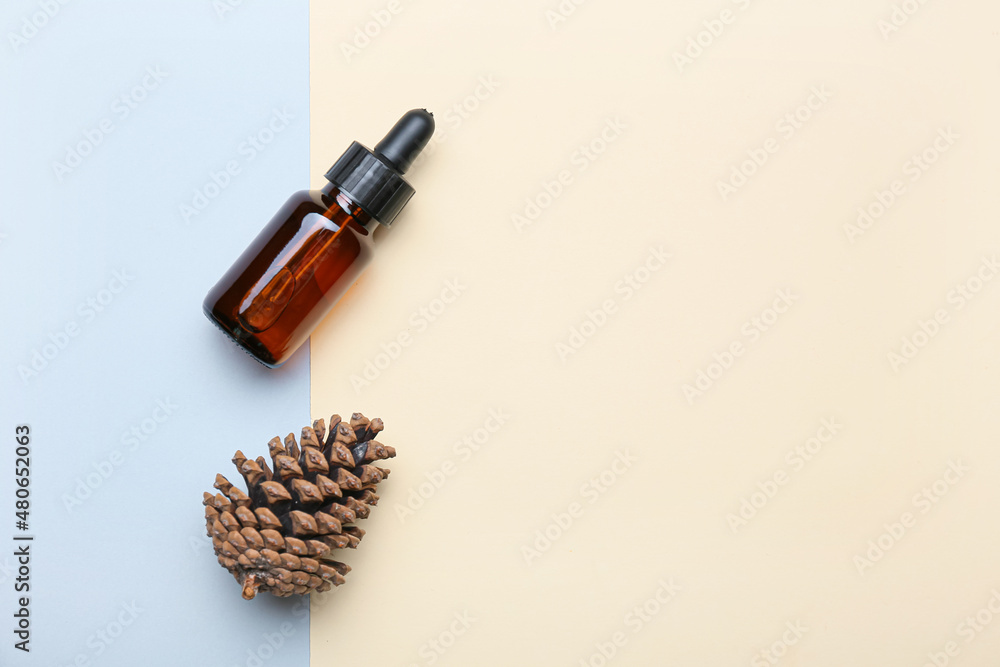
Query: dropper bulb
pixel 406 139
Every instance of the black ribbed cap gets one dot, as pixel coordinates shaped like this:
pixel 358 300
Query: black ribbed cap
pixel 374 179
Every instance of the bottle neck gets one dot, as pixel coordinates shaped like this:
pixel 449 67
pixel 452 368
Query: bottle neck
pixel 339 199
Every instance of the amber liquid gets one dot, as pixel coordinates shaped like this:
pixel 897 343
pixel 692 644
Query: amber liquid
pixel 288 279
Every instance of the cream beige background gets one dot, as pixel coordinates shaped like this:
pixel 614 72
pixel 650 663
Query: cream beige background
pixel 668 516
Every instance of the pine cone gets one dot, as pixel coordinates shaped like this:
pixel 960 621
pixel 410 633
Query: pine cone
pixel 279 536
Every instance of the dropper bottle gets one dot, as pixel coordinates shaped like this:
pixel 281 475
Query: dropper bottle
pixel 316 246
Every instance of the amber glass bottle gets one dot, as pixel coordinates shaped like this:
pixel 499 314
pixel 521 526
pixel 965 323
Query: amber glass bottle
pixel 316 246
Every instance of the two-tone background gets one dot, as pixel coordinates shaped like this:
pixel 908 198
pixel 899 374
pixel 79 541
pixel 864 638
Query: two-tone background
pixel 687 342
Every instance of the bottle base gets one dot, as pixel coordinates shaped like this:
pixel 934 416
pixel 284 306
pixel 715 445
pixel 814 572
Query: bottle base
pixel 257 351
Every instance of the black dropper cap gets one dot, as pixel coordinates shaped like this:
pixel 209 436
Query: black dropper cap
pixel 374 179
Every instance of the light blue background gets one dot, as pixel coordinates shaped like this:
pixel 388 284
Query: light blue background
pixel 139 537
